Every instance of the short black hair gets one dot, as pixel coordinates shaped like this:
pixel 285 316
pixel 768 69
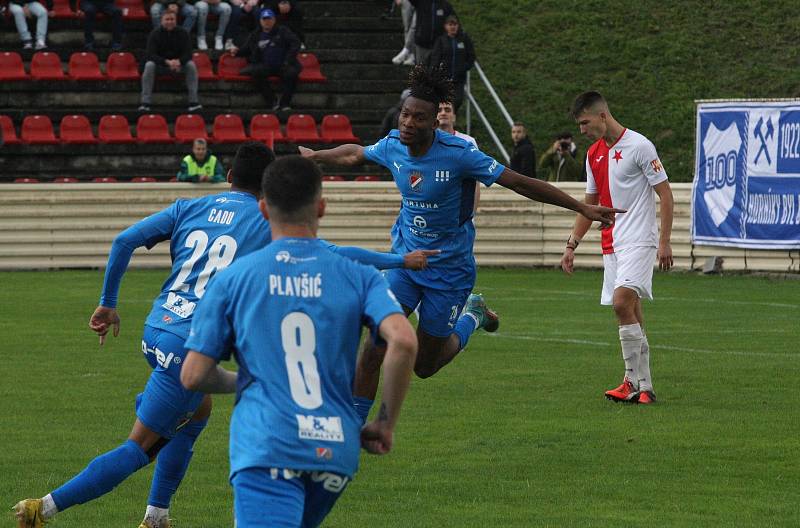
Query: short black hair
pixel 565 135
pixel 251 159
pixel 518 124
pixel 585 101
pixel 431 84
pixel 290 184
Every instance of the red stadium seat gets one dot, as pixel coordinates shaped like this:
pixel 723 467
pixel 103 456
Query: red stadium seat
pixel 85 67
pixel 332 178
pixel 132 9
pixel 114 129
pixel 228 128
pixel 205 71
pixel 367 178
pixel 228 68
pixel 46 66
pixel 104 179
pixel 76 130
pixel 66 180
pixel 336 128
pixel 311 72
pixel 264 126
pixel 144 179
pixel 63 10
pixel 26 180
pixel 11 67
pixel 152 128
pixel 122 67
pixel 301 128
pixel 9 132
pixel 38 130
pixel 189 127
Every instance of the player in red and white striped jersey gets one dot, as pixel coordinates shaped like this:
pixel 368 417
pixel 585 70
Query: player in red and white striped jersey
pixel 623 170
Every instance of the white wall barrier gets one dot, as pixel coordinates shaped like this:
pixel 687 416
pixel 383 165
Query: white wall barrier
pixel 46 226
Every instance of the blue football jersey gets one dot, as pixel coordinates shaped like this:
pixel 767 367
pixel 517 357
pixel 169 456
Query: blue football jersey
pixel 291 315
pixel 438 194
pixel 206 234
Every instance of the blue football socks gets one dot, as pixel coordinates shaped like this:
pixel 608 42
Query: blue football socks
pixel 172 463
pixel 465 327
pixel 102 475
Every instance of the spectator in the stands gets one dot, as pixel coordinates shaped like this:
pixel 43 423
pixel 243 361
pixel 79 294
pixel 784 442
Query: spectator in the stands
pixel 431 15
pixel 561 160
pixel 220 8
pixel 90 9
pixel 523 159
pixel 179 7
pixel 21 10
pixel 406 55
pixel 288 13
pixel 244 18
pixel 455 52
pixel 272 50
pixel 201 166
pixel 169 52
pixel 389 122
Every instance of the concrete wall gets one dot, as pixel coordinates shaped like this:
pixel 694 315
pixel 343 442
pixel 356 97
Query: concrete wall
pixel 72 225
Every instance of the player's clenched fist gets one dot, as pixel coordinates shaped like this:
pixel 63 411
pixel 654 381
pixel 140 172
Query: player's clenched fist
pixel 376 438
pixel 418 260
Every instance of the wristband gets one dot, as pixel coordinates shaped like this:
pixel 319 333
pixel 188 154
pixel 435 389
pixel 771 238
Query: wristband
pixel 575 240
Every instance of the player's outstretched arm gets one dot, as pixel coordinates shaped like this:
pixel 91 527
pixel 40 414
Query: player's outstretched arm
pixel 415 260
pixel 582 225
pixel 401 352
pixel 664 255
pixel 201 373
pixel 542 191
pixel 346 155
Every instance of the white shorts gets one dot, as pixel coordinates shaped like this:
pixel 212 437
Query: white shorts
pixel 629 268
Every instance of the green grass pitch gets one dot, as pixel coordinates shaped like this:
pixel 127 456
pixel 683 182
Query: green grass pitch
pixel 515 432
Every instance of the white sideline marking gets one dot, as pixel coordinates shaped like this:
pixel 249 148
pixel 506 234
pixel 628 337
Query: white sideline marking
pixel 528 337
pixel 593 296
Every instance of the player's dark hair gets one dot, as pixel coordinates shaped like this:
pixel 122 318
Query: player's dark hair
pixel 586 101
pixel 248 166
pixel 290 184
pixel 431 84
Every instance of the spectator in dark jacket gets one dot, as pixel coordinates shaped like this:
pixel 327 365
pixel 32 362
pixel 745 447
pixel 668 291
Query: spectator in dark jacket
pixel 523 159
pixel 454 50
pixel 169 52
pixel 561 160
pixel 272 50
pixel 431 15
pixel 23 9
pixel 90 8
pixel 287 13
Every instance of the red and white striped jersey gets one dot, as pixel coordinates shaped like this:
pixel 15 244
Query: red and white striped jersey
pixel 624 174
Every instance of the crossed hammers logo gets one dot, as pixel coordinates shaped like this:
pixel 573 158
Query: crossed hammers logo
pixel 759 134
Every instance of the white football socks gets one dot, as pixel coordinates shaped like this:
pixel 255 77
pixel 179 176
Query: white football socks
pixel 630 336
pixel 156 516
pixel 645 383
pixel 49 507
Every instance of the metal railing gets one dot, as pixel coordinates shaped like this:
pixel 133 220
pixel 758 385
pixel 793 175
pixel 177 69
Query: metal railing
pixel 471 102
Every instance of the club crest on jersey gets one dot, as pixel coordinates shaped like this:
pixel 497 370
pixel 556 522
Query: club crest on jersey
pixel 656 165
pixel 415 181
pixel 325 453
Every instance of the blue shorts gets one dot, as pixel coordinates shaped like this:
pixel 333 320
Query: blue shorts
pixel 165 404
pixel 438 309
pixel 277 498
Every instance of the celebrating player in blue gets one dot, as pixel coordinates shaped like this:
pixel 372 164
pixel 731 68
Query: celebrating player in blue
pixel 436 173
pixel 206 235
pixel 291 315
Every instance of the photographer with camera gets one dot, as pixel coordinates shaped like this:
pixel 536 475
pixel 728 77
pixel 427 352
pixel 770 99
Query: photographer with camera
pixel 561 160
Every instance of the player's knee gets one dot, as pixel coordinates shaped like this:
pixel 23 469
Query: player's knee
pixel 423 370
pixel 204 410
